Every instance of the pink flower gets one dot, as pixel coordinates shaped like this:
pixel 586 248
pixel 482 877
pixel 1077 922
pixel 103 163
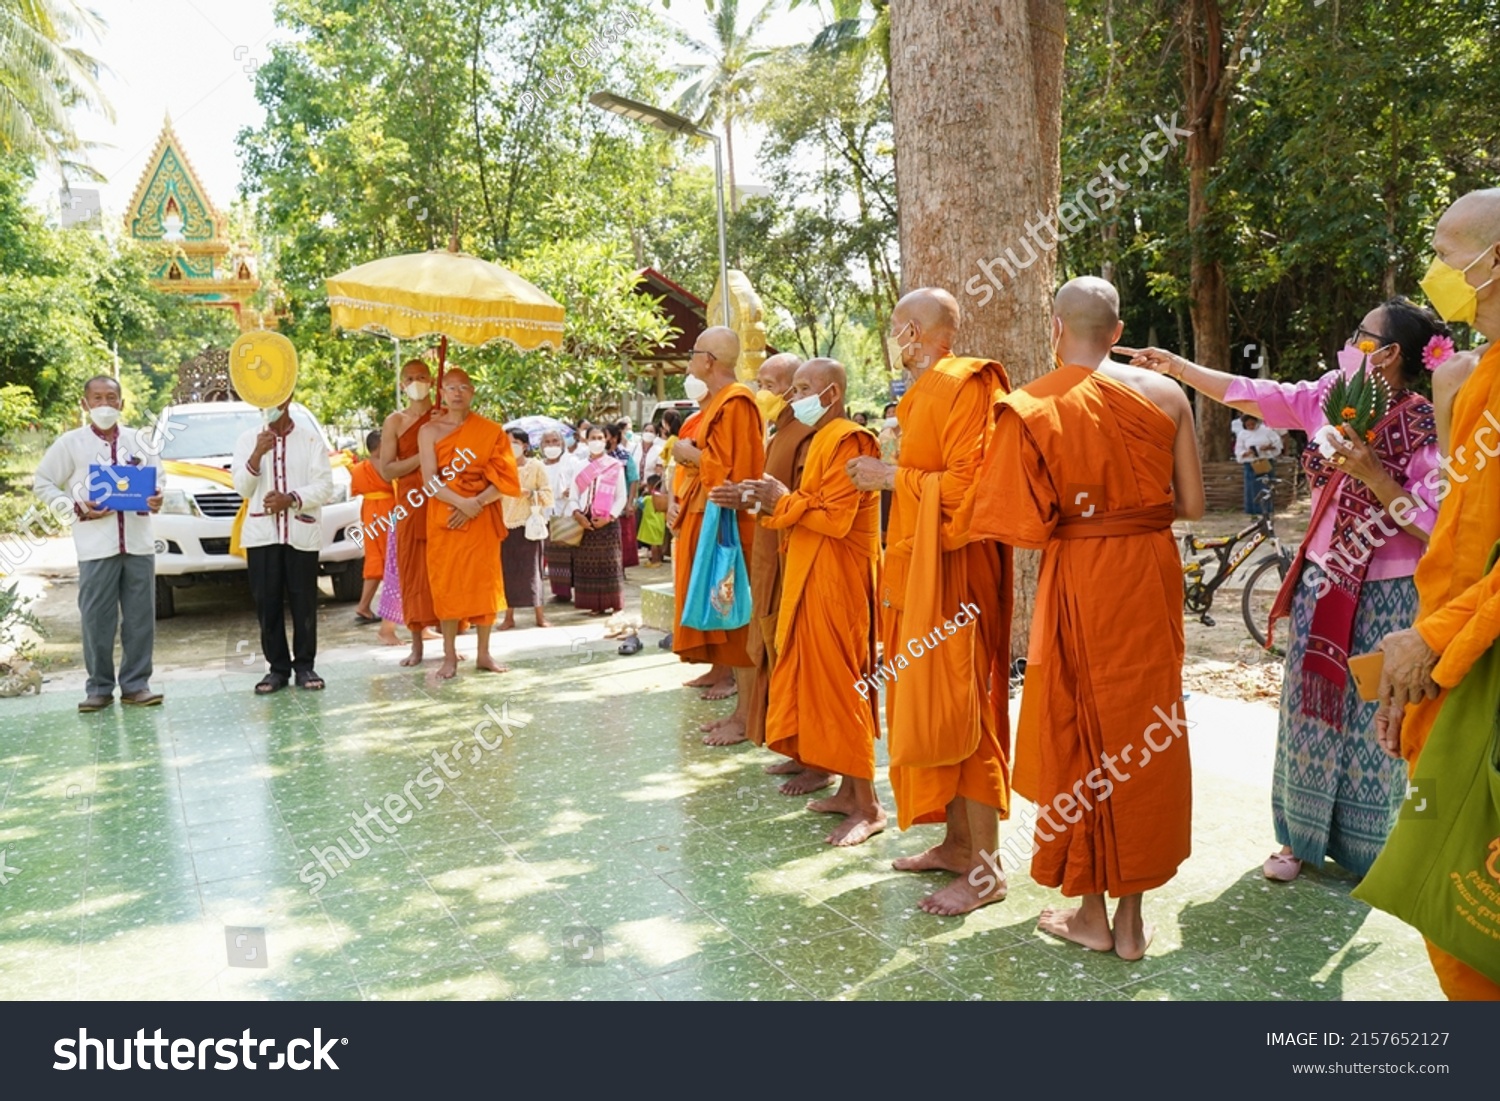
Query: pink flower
pixel 1438 349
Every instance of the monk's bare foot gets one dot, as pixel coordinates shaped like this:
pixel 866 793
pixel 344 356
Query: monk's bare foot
pixel 731 732
pixel 709 727
pixel 488 664
pixel 1132 946
pixel 448 670
pixel 858 828
pixel 962 897
pixel 429 635
pixel 415 657
pixel 722 690
pixel 806 782
pixel 702 681
pixel 788 767
pixel 939 858
pixel 843 802
pixel 1081 927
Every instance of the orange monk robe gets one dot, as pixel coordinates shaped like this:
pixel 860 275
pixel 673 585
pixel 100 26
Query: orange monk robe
pixel 1080 467
pixel 1459 609
pixel 731 438
pixel 411 535
pixel 825 623
pixel 947 698
pixel 378 500
pixel 464 563
pixel 785 455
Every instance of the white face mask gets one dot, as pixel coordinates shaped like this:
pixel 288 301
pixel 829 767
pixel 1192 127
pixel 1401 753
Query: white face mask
pixel 596 447
pixel 695 388
pixel 648 438
pixel 272 415
pixel 518 449
pixel 892 422
pixel 104 417
pixel 554 452
pixel 417 390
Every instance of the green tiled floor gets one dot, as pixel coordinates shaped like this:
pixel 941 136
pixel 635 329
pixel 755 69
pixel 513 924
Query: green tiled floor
pixel 600 852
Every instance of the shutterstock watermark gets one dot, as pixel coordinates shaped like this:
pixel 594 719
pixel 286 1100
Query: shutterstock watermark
pixel 1067 803
pixel 1046 232
pixel 431 780
pixel 1406 507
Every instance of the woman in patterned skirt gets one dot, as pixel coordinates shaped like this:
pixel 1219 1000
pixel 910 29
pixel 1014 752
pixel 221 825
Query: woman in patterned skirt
pixel 599 489
pixel 1334 793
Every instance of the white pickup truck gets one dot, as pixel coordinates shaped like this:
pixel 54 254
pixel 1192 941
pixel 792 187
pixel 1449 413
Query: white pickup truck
pixel 192 529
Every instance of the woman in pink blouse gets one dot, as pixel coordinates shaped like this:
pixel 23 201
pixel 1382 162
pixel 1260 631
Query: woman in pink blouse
pixel 1335 794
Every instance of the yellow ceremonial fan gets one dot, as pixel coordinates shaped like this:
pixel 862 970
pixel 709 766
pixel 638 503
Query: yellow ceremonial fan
pixel 263 368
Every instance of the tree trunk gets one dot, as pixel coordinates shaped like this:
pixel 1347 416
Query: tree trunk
pixel 976 103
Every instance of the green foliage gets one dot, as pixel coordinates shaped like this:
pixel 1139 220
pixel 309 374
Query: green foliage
pixel 17 410
pixel 15 617
pixel 44 75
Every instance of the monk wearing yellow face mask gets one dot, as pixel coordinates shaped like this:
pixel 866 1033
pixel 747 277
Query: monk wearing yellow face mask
pixel 1458 620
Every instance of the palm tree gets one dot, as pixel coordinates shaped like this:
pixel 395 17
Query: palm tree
pixel 43 77
pixel 720 89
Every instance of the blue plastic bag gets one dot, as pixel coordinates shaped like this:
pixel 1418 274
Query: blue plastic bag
pixel 718 596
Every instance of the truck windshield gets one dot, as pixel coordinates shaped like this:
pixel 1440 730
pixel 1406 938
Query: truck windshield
pixel 200 435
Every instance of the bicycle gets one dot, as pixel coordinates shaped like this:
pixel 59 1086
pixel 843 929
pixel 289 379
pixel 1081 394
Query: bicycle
pixel 1230 552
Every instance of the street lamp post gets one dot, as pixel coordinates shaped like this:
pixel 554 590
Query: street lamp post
pixel 677 124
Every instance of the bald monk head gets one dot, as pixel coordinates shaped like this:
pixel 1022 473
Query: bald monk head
pixel 774 380
pixel 416 379
pixel 1086 320
pixel 457 392
pixel 1467 239
pixel 925 324
pixel 826 380
pixel 716 353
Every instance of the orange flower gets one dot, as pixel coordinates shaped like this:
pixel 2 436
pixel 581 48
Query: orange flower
pixel 1349 412
pixel 1367 346
pixel 1370 436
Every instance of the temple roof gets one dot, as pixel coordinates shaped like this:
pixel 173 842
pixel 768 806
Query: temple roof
pixel 170 193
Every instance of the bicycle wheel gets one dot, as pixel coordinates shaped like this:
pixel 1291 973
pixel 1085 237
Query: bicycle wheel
pixel 1260 592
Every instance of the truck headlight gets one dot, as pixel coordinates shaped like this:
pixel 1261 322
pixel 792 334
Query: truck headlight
pixel 176 502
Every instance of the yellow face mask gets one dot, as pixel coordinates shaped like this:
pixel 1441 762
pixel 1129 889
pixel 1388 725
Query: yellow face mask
pixel 1450 293
pixel 770 404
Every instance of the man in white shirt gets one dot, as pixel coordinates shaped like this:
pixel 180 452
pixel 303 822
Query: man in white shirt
pixel 116 552
pixel 284 474
pixel 561 469
pixel 1256 443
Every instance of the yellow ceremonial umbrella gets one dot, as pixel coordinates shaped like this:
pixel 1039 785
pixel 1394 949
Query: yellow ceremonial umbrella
pixel 445 293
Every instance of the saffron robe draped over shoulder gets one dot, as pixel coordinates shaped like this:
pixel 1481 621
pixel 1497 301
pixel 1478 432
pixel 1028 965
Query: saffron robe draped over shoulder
pixel 786 454
pixel 1459 611
pixel 411 535
pixel 825 624
pixel 464 563
pixel 731 438
pixel 947 703
pixel 1080 467
pixel 377 499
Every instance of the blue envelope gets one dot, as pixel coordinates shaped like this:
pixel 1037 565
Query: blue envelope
pixel 122 488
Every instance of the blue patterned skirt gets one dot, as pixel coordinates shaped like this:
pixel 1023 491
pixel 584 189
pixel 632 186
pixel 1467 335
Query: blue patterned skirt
pixel 1334 793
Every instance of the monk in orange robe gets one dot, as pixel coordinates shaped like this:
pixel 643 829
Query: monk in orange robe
pixel 401 464
pixel 945 606
pixel 1458 616
pixel 1090 464
pixel 377 502
pixel 822 711
pixel 467 466
pixel 728 446
pixel 785 454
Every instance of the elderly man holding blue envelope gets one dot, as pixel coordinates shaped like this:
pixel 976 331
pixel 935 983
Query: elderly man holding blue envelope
pixel 107 474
